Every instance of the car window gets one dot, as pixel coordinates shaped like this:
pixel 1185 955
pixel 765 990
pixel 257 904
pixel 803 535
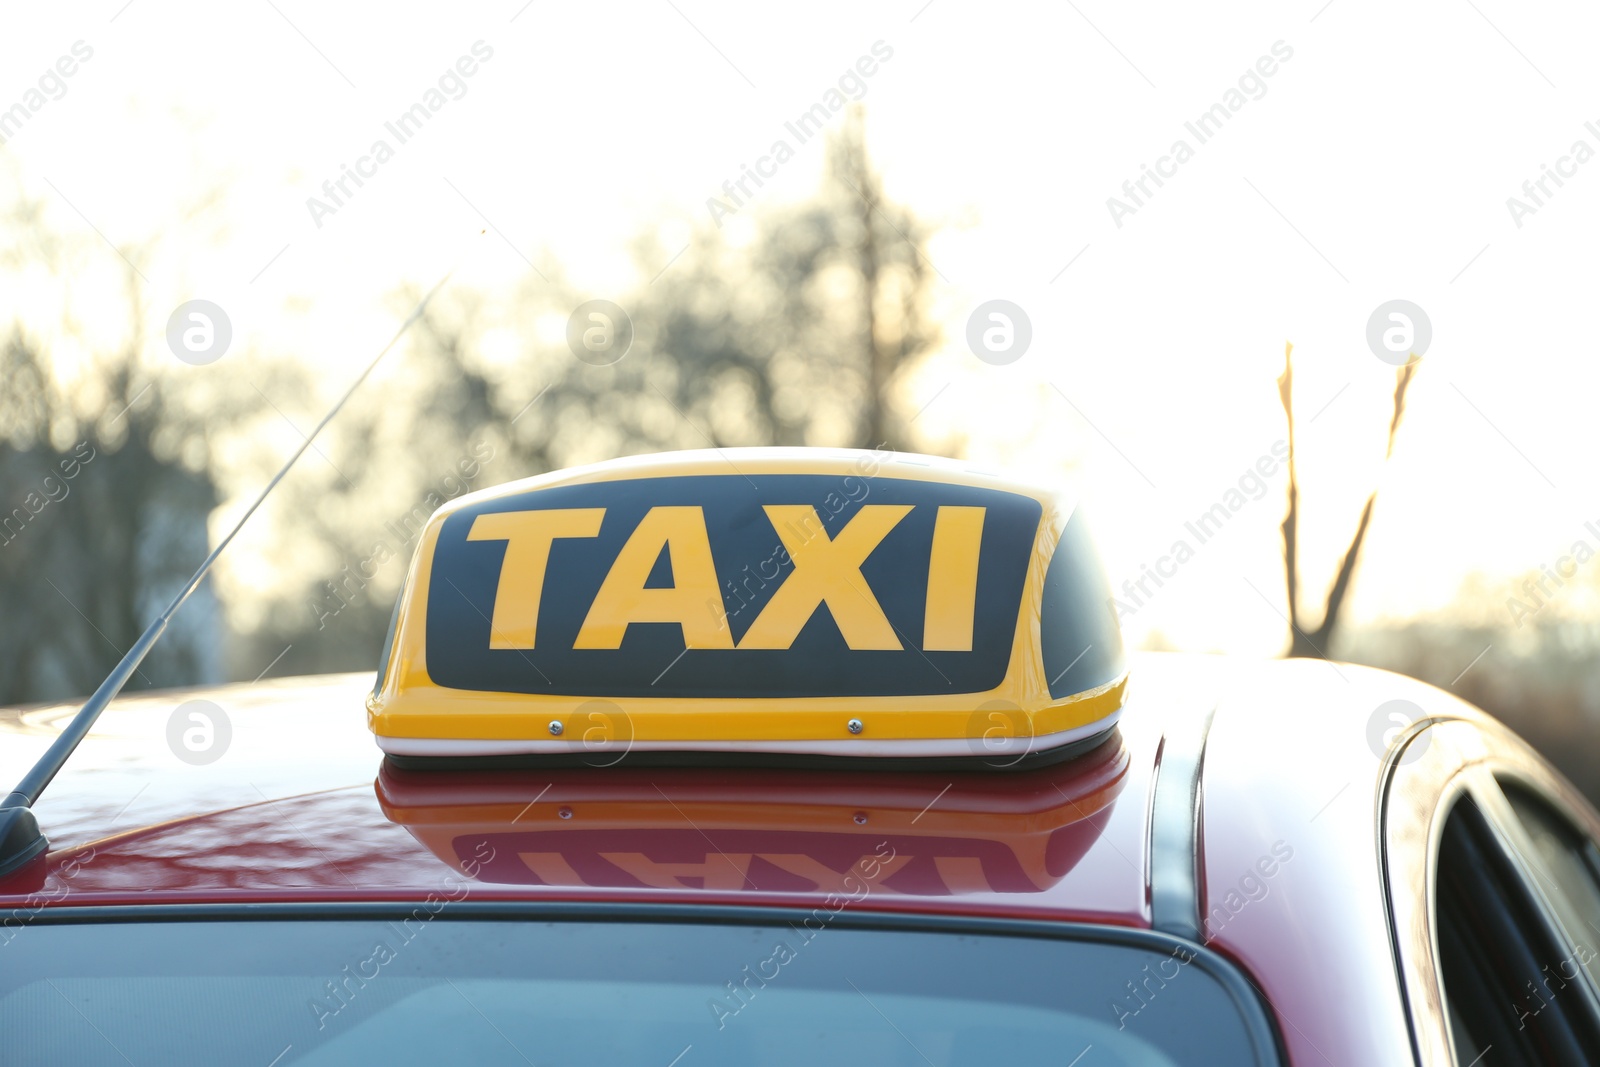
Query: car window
pixel 1565 862
pixel 351 992
pixel 1508 979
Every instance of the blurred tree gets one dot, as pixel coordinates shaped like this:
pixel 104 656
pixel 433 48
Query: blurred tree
pixel 107 473
pixel 104 517
pixel 796 333
pixel 430 429
pixel 792 326
pixel 797 336
pixel 894 284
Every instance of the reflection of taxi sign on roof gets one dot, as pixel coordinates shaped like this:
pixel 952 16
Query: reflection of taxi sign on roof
pixel 763 831
pixel 788 602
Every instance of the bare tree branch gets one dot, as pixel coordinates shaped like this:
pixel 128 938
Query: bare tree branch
pixel 1316 643
pixel 1291 518
pixel 1341 583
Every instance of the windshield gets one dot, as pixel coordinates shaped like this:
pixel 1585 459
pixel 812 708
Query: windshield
pixel 415 991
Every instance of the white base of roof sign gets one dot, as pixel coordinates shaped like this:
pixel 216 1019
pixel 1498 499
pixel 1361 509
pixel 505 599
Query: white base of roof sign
pixel 970 747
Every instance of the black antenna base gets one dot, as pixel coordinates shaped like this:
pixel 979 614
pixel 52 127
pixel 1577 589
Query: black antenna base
pixel 20 839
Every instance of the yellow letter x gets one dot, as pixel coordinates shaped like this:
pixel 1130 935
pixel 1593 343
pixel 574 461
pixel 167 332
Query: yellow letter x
pixel 827 571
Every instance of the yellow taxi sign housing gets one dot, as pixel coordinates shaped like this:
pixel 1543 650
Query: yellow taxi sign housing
pixel 780 601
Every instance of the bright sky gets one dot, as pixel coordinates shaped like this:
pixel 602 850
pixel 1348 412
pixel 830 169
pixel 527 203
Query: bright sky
pixel 1373 164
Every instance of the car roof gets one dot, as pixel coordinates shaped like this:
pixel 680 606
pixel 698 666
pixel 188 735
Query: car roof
pixel 301 807
pixel 295 808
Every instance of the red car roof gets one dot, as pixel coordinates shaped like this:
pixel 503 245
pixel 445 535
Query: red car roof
pixel 301 807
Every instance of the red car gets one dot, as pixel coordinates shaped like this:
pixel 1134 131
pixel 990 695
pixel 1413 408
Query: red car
pixel 771 836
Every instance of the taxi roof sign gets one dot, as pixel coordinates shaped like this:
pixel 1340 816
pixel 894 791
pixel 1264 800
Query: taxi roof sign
pixel 781 601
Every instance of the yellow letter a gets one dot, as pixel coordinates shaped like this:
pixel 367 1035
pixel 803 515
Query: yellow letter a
pixel 623 598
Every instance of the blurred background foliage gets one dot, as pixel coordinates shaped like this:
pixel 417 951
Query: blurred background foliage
pixel 802 332
pixel 797 335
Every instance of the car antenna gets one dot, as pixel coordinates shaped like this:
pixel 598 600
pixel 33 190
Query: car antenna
pixel 20 837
